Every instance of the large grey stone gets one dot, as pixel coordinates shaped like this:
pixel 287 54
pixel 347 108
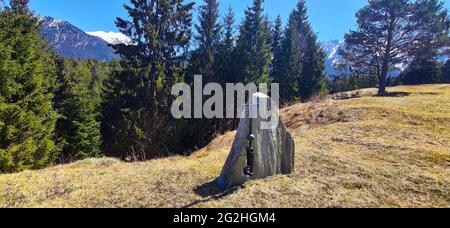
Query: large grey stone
pixel 274 148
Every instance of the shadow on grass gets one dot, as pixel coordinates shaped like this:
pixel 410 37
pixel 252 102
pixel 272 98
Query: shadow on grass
pixel 209 192
pixel 394 94
pixel 405 94
pixel 433 94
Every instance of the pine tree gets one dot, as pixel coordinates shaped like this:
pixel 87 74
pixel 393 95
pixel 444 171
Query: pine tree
pixel 254 46
pixel 78 101
pixel 136 112
pixel 424 68
pixel 27 80
pixel 304 57
pixel 391 32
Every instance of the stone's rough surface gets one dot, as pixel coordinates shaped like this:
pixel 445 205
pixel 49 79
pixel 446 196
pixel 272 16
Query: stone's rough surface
pixel 274 149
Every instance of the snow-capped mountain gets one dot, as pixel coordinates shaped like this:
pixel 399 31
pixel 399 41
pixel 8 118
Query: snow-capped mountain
pixel 331 47
pixel 111 37
pixel 332 56
pixel 71 42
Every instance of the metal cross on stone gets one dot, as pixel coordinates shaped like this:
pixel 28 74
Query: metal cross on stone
pixel 262 146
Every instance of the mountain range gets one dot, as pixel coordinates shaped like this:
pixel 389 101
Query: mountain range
pixel 72 42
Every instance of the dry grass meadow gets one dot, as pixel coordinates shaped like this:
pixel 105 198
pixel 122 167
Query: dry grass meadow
pixel 391 151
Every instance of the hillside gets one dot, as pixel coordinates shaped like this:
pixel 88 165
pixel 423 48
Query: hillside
pixel 390 151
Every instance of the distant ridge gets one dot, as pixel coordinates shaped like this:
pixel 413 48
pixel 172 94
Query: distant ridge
pixel 71 42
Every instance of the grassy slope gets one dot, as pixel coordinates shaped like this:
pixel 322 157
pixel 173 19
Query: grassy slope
pixel 366 152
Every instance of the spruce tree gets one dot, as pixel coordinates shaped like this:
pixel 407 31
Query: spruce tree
pixel 27 80
pixel 224 64
pixel 225 61
pixel 304 57
pixel 291 66
pixel 254 46
pixel 313 78
pixel 19 6
pixel 279 66
pixel 277 35
pixel 136 112
pixel 208 37
pixel 78 100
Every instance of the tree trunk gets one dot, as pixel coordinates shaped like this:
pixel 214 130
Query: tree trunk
pixel 382 79
pixel 387 56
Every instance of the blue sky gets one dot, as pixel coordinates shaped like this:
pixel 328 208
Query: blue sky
pixel 330 18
